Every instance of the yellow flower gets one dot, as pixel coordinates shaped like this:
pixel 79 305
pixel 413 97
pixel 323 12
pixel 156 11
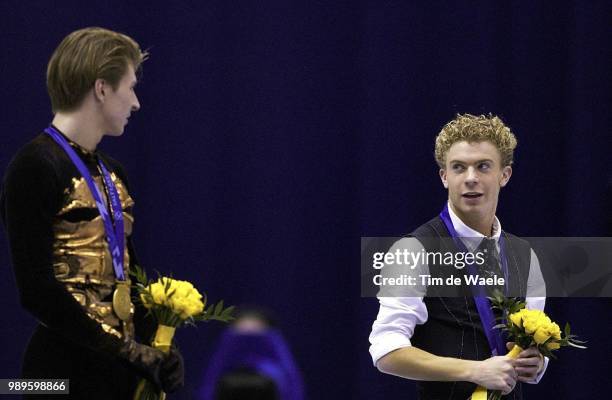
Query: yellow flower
pixel 184 300
pixel 517 319
pixel 555 331
pixel 545 332
pixel 538 324
pixel 530 323
pixel 144 301
pixel 157 292
pixel 541 334
pixel 533 319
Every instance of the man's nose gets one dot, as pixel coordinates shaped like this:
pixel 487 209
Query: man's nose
pixel 472 175
pixel 135 104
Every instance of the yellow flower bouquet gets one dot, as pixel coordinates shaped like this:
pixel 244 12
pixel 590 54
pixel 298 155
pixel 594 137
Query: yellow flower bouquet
pixel 527 328
pixel 172 303
pixel 532 327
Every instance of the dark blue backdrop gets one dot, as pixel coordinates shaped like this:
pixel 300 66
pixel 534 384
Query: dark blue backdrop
pixel 273 135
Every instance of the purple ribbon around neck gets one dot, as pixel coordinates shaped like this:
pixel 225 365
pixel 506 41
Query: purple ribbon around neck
pixel 494 337
pixel 114 232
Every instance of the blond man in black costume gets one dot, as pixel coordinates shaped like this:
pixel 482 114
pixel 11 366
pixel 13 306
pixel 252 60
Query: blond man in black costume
pixel 68 213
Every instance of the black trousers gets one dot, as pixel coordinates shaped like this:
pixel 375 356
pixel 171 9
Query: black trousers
pixel 92 375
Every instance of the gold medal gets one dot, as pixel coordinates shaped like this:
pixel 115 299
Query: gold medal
pixel 122 304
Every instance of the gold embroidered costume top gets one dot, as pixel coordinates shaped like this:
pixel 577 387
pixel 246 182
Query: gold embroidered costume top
pixel 82 261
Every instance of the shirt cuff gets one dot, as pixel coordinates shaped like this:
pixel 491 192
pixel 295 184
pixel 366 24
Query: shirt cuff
pixel 541 373
pixel 388 343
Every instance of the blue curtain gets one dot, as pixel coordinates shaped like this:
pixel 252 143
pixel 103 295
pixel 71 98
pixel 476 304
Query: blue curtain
pixel 272 135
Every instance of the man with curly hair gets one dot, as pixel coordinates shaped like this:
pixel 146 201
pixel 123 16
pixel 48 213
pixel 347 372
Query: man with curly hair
pixel 446 343
pixel 68 213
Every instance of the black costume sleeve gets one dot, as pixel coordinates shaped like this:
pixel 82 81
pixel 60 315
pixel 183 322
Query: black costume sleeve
pixel 31 197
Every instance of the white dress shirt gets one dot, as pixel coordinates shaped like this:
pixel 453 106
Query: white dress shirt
pixel 398 316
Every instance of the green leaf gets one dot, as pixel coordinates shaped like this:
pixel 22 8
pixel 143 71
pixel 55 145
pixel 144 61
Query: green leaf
pixel 227 313
pixel 218 308
pixel 139 275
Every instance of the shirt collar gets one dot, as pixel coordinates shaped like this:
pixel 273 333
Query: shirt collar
pixel 470 237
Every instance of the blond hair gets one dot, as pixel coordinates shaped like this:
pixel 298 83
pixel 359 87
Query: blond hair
pixel 476 128
pixel 84 56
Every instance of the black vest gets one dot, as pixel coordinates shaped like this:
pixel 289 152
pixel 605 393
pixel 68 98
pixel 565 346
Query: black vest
pixel 453 327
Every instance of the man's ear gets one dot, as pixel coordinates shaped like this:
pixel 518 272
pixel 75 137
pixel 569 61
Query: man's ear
pixel 443 177
pixel 100 88
pixel 506 174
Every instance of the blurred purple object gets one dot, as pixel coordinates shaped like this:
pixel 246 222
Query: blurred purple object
pixel 265 352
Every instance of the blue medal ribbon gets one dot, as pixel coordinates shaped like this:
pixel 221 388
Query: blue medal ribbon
pixel 114 232
pixel 494 337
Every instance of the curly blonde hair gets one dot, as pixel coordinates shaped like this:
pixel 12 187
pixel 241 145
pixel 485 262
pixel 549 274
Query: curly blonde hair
pixel 476 128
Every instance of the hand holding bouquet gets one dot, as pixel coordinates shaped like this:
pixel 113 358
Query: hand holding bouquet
pixel 527 328
pixel 172 303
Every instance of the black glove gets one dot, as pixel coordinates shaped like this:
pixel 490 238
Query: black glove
pixel 145 360
pixel 172 372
